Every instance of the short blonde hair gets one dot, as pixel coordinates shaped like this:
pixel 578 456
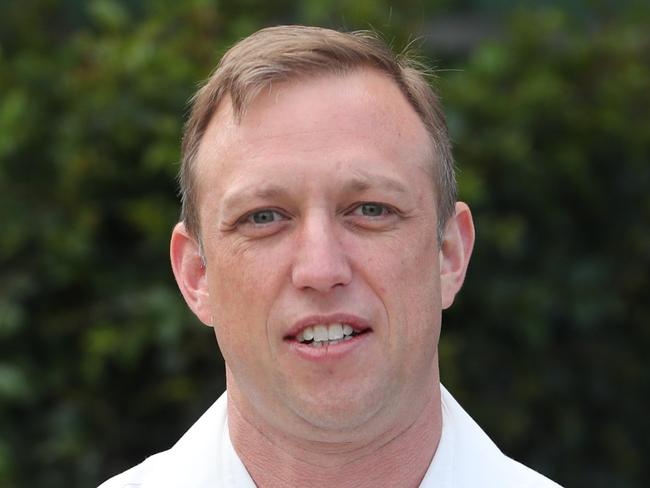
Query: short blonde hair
pixel 286 52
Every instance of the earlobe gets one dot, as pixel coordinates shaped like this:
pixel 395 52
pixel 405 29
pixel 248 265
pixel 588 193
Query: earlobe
pixel 455 252
pixel 190 272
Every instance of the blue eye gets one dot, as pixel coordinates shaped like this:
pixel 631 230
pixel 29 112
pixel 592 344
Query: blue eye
pixel 264 217
pixel 372 209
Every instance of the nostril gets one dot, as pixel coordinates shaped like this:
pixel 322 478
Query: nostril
pixel 321 276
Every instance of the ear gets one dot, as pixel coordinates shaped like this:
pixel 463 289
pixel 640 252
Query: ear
pixel 190 273
pixel 455 251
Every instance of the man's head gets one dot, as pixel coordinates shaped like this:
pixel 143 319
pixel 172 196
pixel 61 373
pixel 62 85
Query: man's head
pixel 285 53
pixel 321 269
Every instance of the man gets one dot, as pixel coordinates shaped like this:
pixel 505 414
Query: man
pixel 321 239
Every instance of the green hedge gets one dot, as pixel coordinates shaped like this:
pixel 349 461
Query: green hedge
pixel 101 363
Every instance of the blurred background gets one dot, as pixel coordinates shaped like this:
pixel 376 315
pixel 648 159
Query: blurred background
pixel 548 104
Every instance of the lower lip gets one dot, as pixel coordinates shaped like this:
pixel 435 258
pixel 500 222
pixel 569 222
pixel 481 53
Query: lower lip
pixel 328 352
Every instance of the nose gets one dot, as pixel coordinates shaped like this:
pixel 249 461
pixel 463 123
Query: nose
pixel 320 262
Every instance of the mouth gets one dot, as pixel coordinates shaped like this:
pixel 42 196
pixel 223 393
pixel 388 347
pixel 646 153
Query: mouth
pixel 318 332
pixel 327 334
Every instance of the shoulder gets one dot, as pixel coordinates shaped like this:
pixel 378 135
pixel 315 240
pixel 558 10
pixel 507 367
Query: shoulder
pixel 188 463
pixel 138 475
pixel 477 461
pixel 513 474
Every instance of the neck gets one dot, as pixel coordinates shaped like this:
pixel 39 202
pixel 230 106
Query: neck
pixel 398 457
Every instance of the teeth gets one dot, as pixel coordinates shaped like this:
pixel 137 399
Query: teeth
pixel 320 333
pixel 307 334
pixel 334 333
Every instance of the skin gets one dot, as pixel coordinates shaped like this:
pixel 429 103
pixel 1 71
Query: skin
pixel 321 202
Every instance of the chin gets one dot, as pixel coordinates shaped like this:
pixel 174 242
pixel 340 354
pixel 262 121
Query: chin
pixel 340 410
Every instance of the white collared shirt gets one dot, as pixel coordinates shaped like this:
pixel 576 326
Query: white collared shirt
pixel 205 457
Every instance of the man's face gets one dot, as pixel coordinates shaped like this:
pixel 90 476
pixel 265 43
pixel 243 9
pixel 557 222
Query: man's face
pixel 318 218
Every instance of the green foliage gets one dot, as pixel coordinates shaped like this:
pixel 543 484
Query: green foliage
pixel 553 138
pixel 101 363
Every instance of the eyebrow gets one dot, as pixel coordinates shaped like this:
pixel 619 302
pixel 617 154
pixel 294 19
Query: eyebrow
pixel 365 181
pixel 360 182
pixel 264 191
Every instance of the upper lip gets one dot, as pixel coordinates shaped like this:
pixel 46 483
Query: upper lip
pixel 354 321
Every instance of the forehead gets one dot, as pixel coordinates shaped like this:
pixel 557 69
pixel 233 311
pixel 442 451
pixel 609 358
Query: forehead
pixel 359 116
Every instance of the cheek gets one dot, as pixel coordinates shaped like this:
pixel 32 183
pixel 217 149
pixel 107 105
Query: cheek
pixel 425 278
pixel 408 280
pixel 411 261
pixel 243 287
pixel 236 276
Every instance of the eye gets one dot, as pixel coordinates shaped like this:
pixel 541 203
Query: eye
pixel 371 209
pixel 265 216
pixel 261 223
